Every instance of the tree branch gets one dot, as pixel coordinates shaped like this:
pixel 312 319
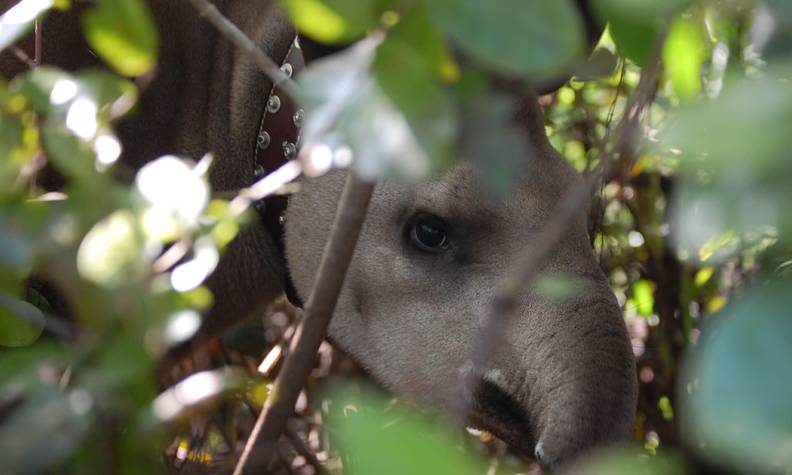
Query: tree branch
pixel 240 40
pixel 312 330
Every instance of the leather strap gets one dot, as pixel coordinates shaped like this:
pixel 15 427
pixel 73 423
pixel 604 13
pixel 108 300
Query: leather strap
pixel 276 143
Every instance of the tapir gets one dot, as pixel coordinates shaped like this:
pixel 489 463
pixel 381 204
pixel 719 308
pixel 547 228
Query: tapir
pixel 429 257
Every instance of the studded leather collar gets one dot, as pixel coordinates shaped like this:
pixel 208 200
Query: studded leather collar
pixel 276 143
pixel 277 140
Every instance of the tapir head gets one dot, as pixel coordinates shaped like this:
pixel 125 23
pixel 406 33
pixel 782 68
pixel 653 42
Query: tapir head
pixel 424 273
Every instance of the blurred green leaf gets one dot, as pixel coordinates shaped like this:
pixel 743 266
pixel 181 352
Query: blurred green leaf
pixel 333 21
pixel 45 431
pixel 21 323
pixel 517 37
pixel 112 252
pixel 19 19
pixel 346 109
pixel 495 143
pixel 684 52
pixel 18 137
pixel 377 437
pixel 407 68
pixel 643 295
pixel 123 33
pixel 627 461
pixel 734 151
pixel 739 413
pixel 559 286
pixel 634 24
pixel 664 404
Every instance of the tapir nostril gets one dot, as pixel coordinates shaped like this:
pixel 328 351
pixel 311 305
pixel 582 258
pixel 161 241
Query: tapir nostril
pixel 548 463
pixel 539 452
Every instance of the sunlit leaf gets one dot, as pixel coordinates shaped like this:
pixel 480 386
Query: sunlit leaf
pixel 487 30
pixel 703 276
pixel 123 33
pixel 738 414
pixel 197 393
pixel 176 194
pixel 349 115
pixel 112 252
pixel 333 21
pixel 684 52
pixel 635 24
pixel 19 19
pixel 643 294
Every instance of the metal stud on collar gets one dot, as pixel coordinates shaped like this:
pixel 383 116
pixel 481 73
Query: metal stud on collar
pixel 263 140
pixel 273 104
pixel 289 150
pixel 299 118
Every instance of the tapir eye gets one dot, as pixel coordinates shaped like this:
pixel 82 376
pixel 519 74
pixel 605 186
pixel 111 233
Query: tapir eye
pixel 427 233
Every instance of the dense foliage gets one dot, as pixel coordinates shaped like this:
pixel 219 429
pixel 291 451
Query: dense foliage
pixel 690 225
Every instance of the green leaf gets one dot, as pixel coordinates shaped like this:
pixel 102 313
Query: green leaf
pixel 21 323
pixel 376 437
pixel 112 252
pixel 514 36
pixel 123 33
pixel 408 67
pixel 627 461
pixel 559 287
pixel 346 109
pixel 19 19
pixel 734 157
pixel 51 90
pixel 634 24
pixel 45 431
pixel 498 148
pixel 333 21
pixel 736 389
pixel 684 52
pixel 643 295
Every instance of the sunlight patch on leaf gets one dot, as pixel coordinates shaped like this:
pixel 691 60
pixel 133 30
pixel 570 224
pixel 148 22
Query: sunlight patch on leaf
pixel 18 20
pixel 123 33
pixel 176 195
pixel 346 108
pixel 197 394
pixel 112 250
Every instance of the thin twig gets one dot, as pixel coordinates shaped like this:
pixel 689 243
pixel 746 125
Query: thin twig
pixel 302 448
pixel 313 328
pixel 38 35
pixel 240 40
pixel 22 56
